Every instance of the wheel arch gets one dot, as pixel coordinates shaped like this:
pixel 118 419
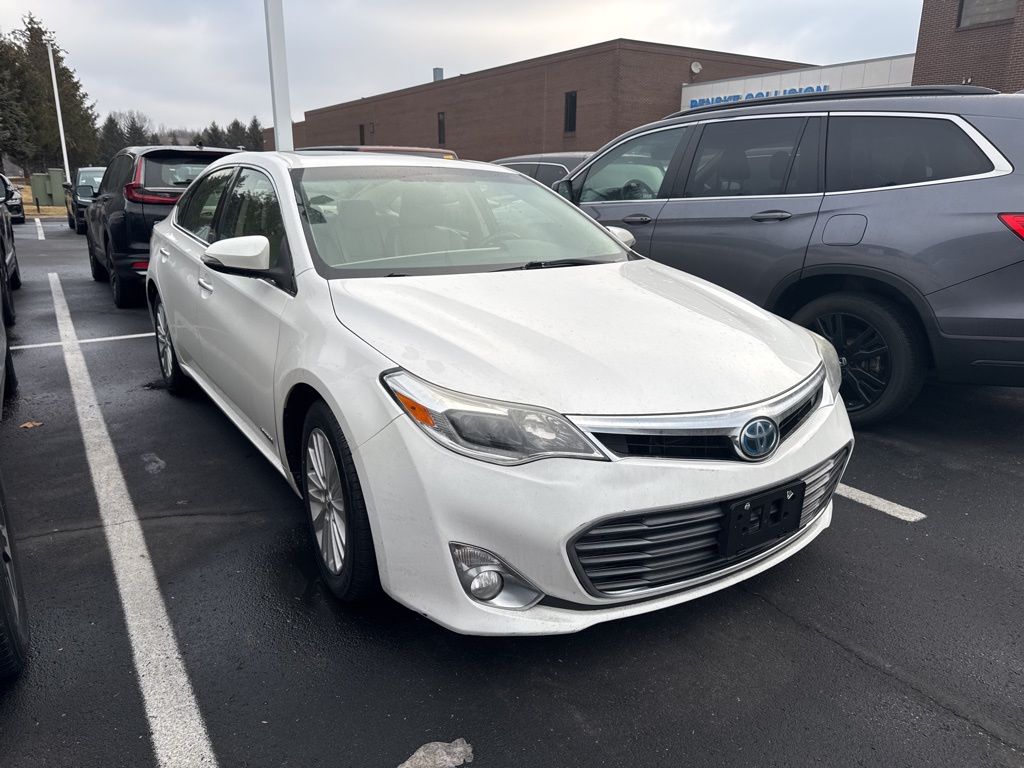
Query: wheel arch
pixel 801 288
pixel 297 403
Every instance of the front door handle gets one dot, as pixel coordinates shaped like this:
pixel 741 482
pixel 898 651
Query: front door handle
pixel 205 285
pixel 637 218
pixel 772 216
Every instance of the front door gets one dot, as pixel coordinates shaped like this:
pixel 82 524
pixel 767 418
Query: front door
pixel 744 213
pixel 626 187
pixel 239 317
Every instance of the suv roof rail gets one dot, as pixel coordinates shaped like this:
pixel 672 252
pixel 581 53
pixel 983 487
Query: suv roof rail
pixel 864 93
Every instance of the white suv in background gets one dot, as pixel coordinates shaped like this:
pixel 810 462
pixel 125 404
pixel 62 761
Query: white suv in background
pixel 491 407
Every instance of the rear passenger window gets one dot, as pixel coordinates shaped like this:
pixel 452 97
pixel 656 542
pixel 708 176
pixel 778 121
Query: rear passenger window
pixel 196 211
pixel 634 170
pixel 742 158
pixel 865 152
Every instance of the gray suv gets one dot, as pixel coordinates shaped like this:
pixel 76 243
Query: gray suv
pixel 888 221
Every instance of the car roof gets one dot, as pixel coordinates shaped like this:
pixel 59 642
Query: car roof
pixel 289 160
pixel 191 149
pixel 542 156
pixel 446 154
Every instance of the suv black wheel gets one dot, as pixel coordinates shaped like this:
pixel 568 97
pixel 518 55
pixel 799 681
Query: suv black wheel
pixel 71 221
pixel 174 378
pixel 882 351
pixel 14 634
pixel 124 295
pixel 99 272
pixel 10 377
pixel 9 315
pixel 16 275
pixel 79 227
pixel 335 509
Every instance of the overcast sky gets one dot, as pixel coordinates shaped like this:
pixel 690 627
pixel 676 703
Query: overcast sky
pixel 187 62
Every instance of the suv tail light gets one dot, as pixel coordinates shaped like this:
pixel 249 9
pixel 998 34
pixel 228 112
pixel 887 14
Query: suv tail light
pixel 1015 221
pixel 136 193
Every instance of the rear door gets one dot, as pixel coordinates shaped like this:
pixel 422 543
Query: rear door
pixel 106 214
pixel 177 255
pixel 743 214
pixel 628 185
pixel 238 317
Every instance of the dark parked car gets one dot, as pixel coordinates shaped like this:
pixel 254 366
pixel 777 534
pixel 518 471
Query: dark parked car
pixel 138 189
pixel 547 167
pixel 15 204
pixel 14 633
pixel 10 272
pixel 888 221
pixel 78 195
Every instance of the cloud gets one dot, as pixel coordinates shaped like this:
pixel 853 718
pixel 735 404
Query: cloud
pixel 193 61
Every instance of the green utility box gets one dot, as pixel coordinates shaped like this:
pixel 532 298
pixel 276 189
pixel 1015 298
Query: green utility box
pixel 48 188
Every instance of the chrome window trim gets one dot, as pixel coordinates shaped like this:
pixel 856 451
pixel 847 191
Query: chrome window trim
pixel 1000 165
pixel 724 422
pixel 744 197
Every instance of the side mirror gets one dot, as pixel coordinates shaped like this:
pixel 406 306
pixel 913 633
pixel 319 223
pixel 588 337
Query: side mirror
pixel 624 236
pixel 247 256
pixel 66 185
pixel 564 188
pixel 85 190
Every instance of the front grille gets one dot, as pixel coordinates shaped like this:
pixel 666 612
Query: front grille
pixel 653 550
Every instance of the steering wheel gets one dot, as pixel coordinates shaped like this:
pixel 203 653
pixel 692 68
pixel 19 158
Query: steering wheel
pixel 498 237
pixel 636 189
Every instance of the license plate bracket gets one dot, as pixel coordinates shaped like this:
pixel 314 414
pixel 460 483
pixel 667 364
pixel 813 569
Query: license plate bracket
pixel 763 518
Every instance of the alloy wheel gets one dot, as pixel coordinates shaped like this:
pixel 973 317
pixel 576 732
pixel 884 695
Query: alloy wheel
pixel 163 342
pixel 326 500
pixel 864 357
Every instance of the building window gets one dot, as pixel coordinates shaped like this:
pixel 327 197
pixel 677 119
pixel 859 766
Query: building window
pixel 440 128
pixel 362 134
pixel 570 111
pixel 974 12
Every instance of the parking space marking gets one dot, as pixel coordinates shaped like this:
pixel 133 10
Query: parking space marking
pixel 890 508
pixel 39 230
pixel 178 732
pixel 40 345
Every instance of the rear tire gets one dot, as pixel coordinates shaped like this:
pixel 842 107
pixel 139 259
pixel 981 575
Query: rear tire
pixel 335 509
pixel 99 272
pixel 10 317
pixel 175 379
pixel 79 227
pixel 125 296
pixel 10 377
pixel 14 632
pixel 16 276
pixel 71 221
pixel 882 348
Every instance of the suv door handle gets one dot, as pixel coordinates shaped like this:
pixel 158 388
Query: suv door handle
pixel 637 218
pixel 772 216
pixel 205 285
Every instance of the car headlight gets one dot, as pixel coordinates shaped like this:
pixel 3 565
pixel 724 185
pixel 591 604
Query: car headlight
pixel 833 371
pixel 489 430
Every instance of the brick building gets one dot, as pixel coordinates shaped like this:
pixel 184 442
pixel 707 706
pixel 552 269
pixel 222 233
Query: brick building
pixel 573 100
pixel 980 42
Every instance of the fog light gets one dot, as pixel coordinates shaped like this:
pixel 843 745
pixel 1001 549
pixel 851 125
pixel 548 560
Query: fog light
pixel 489 579
pixel 486 585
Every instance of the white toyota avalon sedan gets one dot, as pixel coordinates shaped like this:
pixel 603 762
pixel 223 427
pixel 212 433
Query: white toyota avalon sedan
pixel 491 407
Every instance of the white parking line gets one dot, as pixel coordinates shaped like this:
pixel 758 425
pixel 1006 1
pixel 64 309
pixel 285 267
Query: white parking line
pixel 890 508
pixel 178 732
pixel 83 341
pixel 39 230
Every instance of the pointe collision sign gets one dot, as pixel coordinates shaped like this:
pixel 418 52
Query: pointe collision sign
pixel 873 73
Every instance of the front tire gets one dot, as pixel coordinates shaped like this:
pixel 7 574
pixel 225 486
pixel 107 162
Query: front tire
pixel 71 221
pixel 883 352
pixel 175 379
pixel 16 275
pixel 14 632
pixel 79 227
pixel 335 510
pixel 10 317
pixel 10 377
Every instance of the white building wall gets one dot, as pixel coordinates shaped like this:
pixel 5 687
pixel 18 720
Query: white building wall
pixel 873 73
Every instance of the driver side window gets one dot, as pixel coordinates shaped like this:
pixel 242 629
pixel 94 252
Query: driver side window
pixel 635 169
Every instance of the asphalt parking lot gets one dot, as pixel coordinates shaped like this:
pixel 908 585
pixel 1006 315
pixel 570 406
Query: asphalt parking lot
pixel 885 642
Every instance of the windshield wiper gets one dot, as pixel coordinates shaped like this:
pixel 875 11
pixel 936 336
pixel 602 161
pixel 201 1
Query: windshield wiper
pixel 552 263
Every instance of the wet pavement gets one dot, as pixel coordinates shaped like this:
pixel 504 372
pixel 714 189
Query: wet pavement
pixel 882 643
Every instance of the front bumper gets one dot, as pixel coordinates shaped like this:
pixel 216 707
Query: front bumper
pixel 421 496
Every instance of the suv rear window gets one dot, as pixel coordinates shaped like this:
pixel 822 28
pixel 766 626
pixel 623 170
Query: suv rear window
pixel 866 152
pixel 174 171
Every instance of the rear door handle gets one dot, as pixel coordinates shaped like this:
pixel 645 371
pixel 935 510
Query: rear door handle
pixel 637 218
pixel 205 285
pixel 772 216
pixel 164 253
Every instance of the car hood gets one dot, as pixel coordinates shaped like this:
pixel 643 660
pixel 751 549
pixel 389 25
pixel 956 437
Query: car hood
pixel 625 338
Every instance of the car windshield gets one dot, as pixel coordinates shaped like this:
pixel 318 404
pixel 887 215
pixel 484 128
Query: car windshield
pixel 371 221
pixel 174 171
pixel 91 176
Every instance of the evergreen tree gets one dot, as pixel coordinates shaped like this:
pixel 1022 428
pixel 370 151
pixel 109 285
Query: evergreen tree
pixel 154 139
pixel 136 128
pixel 234 134
pixel 197 139
pixel 15 132
pixel 254 135
pixel 173 141
pixel 213 135
pixel 111 139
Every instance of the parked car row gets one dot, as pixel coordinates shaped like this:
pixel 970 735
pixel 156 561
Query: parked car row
pixel 14 204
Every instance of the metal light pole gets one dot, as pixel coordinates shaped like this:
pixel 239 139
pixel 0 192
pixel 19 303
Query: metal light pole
pixel 60 120
pixel 283 140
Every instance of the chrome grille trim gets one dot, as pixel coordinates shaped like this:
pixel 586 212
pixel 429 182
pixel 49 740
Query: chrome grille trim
pixel 788 410
pixel 645 554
